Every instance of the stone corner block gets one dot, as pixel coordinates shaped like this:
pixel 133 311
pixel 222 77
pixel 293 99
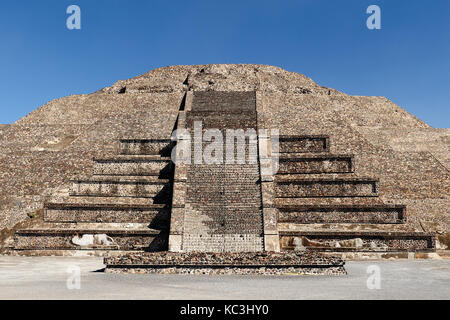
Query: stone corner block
pixel 181 173
pixel 179 195
pixel 175 242
pixel 270 220
pixel 272 242
pixel 176 220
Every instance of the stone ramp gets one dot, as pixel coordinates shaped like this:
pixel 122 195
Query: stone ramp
pixel 132 165
pixel 134 146
pixel 261 263
pixel 325 185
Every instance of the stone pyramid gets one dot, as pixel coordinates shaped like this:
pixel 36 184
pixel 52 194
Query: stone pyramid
pixel 357 176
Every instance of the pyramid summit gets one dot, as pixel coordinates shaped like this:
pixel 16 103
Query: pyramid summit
pixel 356 176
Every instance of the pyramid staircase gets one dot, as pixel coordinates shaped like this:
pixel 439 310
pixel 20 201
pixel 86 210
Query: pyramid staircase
pixel 223 211
pixel 323 205
pixel 217 221
pixel 140 201
pixel 123 207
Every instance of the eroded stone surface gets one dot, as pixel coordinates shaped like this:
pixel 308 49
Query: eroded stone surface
pixel 266 263
pixel 57 141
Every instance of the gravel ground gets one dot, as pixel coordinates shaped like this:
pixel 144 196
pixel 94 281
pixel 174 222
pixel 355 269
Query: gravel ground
pixel 48 278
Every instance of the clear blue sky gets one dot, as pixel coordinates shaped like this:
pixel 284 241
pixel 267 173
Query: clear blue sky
pixel 408 60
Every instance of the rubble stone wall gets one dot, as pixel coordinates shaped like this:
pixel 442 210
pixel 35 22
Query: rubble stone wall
pixel 223 201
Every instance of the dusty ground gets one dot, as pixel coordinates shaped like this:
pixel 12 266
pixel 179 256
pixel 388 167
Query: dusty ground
pixel 46 278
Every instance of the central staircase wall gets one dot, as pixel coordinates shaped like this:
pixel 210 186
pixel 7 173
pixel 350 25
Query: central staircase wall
pixel 223 201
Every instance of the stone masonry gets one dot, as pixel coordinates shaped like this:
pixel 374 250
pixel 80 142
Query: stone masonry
pixel 356 175
pixel 223 201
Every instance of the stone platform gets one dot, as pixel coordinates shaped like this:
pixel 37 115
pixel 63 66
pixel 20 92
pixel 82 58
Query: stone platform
pixel 262 263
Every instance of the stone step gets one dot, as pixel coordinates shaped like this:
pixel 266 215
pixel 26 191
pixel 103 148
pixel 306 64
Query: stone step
pixel 162 147
pixel 363 201
pixel 377 214
pixel 345 226
pixel 223 242
pixel 390 255
pixel 315 163
pixel 263 263
pixel 156 215
pixel 87 239
pixel 134 165
pixel 304 143
pixel 94 200
pixel 121 186
pixel 326 186
pixel 358 241
pixel 73 253
pixel 221 120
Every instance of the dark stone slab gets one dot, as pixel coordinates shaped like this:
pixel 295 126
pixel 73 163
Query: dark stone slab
pixel 342 214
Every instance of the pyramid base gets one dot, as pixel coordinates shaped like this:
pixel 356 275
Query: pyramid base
pixel 248 263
